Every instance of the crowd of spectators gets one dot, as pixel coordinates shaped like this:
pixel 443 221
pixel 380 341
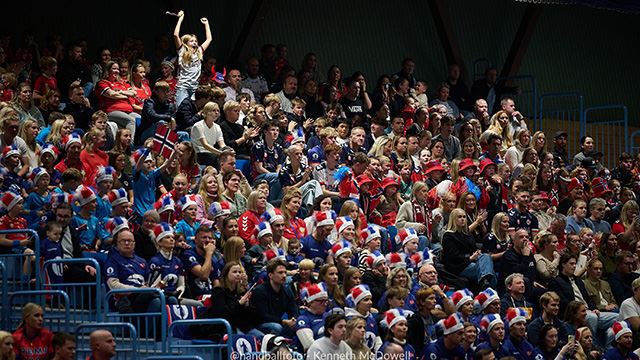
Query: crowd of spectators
pixel 346 218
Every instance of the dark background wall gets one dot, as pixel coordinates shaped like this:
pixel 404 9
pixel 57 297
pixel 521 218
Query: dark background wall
pixel 574 48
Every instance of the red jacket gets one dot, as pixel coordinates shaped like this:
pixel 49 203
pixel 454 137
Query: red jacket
pixel 247 227
pixel 38 348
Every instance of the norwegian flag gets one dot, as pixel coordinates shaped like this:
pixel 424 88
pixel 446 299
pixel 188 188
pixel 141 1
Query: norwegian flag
pixel 164 141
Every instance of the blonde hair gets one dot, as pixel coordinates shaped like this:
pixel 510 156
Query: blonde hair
pixel 233 249
pixel 507 139
pixel 209 107
pixel 495 226
pixel 202 189
pixel 377 149
pixel 90 138
pixel 3 336
pixel 346 208
pixel 31 143
pixel 252 200
pixel 54 136
pixel 452 226
pixel 188 53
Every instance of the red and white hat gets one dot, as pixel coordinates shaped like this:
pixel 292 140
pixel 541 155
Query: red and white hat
pixel 84 195
pixel 407 234
pixel 313 292
pixel 70 139
pixel 489 321
pixel 186 201
pixel 486 297
pixel 59 198
pixel 273 216
pixel 264 229
pixel 461 297
pixel 9 151
pixel 10 199
pixel 516 315
pixel 357 294
pixel 620 328
pixel 114 225
pixel 218 209
pixel 48 148
pixel 395 260
pixel 136 155
pixel 573 184
pixel 165 203
pixel 451 324
pixel 105 173
pixel 161 231
pixel 340 248
pixel 370 233
pixel 117 197
pixel 36 174
pixel 271 254
pixel 325 218
pixel 394 316
pixel 375 259
pixel 342 223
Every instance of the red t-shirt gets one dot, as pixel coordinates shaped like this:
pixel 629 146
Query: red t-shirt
pixel 142 94
pixel 91 162
pixel 295 229
pixel 108 105
pixel 43 84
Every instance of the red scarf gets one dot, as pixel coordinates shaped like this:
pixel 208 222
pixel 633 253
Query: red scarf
pixel 420 215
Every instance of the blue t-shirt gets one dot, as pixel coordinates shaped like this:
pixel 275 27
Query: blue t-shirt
pixel 103 209
pixel 316 155
pixel 436 350
pixel 409 352
pixel 35 202
pixel 313 249
pixel 132 271
pixel 51 250
pixel 144 190
pixel 89 230
pixel 190 259
pixel 189 231
pixel 311 321
pixel 615 354
pixel 523 350
pixel 168 270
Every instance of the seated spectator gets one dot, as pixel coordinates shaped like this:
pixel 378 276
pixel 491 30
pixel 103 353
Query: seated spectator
pixel 333 340
pixel 599 289
pixel 64 346
pixel 188 111
pixel 623 346
pixel 230 300
pixel 550 307
pixel 493 326
pixel 547 258
pixel 32 340
pixel 6 346
pixel 597 210
pixel 630 308
pixel 579 218
pixel 395 321
pixel 621 279
pixel 235 135
pixel 295 173
pixel 156 109
pixel 310 323
pixel 452 145
pixel 24 104
pixel 355 338
pixel 519 259
pixel 103 345
pixel 166 270
pixel 203 264
pixel 627 223
pixel 273 300
pixel 517 342
pixel 549 346
pixel 447 346
pixel 267 159
pixel 515 290
pixel 114 97
pixel 422 325
pixel 461 256
pixel 515 154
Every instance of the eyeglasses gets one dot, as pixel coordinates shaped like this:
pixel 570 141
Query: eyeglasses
pixel 126 241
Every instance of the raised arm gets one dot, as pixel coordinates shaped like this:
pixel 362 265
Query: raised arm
pixel 207 31
pixel 176 31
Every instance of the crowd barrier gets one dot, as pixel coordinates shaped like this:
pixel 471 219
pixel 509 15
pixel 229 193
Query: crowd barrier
pixel 55 305
pixel 85 297
pixel 125 335
pixel 634 141
pixel 205 348
pixel 608 125
pixel 151 326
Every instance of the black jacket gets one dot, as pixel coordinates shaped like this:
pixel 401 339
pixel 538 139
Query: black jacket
pixel 187 114
pixel 272 305
pixel 457 247
pixel 225 304
pixel 377 285
pixel 621 285
pixel 512 262
pixel 562 286
pixel 81 114
pixel 152 113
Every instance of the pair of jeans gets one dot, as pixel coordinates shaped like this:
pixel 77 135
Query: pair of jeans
pixel 600 327
pixel 483 267
pixel 183 93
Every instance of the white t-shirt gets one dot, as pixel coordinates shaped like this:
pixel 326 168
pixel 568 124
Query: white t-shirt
pixel 629 308
pixel 212 135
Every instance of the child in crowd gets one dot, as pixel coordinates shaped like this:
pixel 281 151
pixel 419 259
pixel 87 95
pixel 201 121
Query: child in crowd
pixel 293 256
pixel 48 156
pixel 38 200
pixel 104 184
pixel 144 180
pixel 187 227
pixel 91 233
pixel 18 243
pixel 51 249
pixel 166 269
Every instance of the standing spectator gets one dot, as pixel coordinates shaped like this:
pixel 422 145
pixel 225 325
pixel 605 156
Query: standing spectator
pixel 254 81
pixel 75 71
pixel 32 341
pixel 189 58
pixel 288 93
pixel 103 345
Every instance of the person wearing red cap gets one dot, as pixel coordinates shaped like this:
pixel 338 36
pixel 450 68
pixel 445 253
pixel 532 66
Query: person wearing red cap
pixel 623 347
pixel 390 201
pixel 449 345
pixel 575 191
